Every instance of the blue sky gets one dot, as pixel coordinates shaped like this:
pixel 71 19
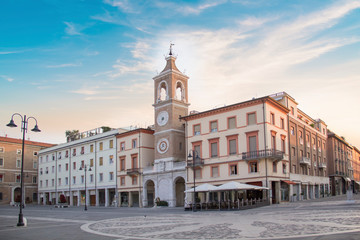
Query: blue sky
pixel 84 64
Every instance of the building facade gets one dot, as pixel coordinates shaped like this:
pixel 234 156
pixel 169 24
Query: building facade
pixel 62 170
pixel 307 151
pixel 340 154
pixel 356 169
pixel 10 170
pixel 135 150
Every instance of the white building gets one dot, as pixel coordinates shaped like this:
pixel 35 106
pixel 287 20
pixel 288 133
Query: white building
pixel 62 170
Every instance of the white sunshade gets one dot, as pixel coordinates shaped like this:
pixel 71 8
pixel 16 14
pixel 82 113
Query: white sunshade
pixel 203 188
pixel 236 186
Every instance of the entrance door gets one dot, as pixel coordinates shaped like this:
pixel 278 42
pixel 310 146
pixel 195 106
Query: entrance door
pixel 273 192
pixel 179 191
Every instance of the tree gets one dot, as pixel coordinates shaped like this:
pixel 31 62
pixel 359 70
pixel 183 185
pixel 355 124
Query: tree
pixel 72 135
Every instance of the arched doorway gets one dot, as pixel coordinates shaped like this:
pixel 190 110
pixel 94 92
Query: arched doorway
pixel 17 195
pixel 150 193
pixel 179 191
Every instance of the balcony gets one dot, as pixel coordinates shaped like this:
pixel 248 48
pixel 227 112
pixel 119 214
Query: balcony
pixel 262 154
pixel 350 168
pixel 133 171
pixel 305 160
pixel 322 165
pixel 198 162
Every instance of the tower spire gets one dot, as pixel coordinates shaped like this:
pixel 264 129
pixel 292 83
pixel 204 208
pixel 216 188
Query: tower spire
pixel 170 53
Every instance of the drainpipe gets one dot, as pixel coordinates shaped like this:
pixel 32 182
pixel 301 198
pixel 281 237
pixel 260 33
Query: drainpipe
pixel 56 170
pixel 264 119
pixel 95 174
pixel 140 176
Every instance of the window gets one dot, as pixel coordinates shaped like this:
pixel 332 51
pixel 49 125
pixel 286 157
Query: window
pixel 35 153
pixel 59 168
pixel 292 111
pixel 251 118
pixel 18 163
pixel 34 164
pixel 284 168
pixel 272 118
pixel 91 162
pixel 53 157
pixel 47 158
pixel 52 169
pixel 52 182
pixel 233 169
pixel 111 159
pixel 82 178
pixel 122 181
pixel 101 146
pixel 100 177
pixel 40 183
pixel 82 164
pixel 47 183
pixel 18 151
pixel 274 166
pixel 283 145
pixel 122 164
pixel 231 123
pixel 214 147
pixel 2 150
pixel 293 151
pixel 198 173
pixel 74 180
pixel 82 150
pixel 134 161
pixel 67 167
pixel 101 161
pixel 66 181
pixel 301 140
pixel 292 131
pixel 197 130
pixel 232 146
pixel 122 146
pixel 91 178
pixel 59 182
pixel 91 148
pixel 111 176
pixel 41 172
pixel 134 180
pixel 1 177
pixel 213 126
pixel 47 170
pixel 74 152
pixel 215 172
pixel 74 165
pixel 134 143
pixel 111 144
pixel 273 142
pixel 253 167
pixel 67 153
pixel 301 153
pixel 282 124
pixel 1 162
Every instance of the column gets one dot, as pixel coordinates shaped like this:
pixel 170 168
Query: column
pixel 106 197
pixel 78 198
pixel 87 197
pixel 130 200
pixel 97 197
pixel 71 198
pixel 39 197
pixel 56 198
pixel 44 198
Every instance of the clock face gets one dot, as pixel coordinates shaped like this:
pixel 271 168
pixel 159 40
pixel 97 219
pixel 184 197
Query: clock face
pixel 162 118
pixel 163 145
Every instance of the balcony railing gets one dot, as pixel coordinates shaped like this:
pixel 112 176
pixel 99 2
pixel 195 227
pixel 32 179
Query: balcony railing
pixel 198 162
pixel 133 171
pixel 305 160
pixel 260 154
pixel 322 165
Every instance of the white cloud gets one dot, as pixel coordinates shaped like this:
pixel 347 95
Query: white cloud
pixel 7 78
pixel 85 91
pixel 123 5
pixel 71 29
pixel 188 9
pixel 65 65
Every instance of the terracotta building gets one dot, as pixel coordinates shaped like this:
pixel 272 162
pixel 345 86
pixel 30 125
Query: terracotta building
pixel 10 170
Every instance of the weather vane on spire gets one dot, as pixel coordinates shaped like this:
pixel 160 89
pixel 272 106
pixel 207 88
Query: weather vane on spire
pixel 170 53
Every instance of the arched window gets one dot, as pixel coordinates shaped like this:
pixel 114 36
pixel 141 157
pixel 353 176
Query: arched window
pixel 162 93
pixel 180 91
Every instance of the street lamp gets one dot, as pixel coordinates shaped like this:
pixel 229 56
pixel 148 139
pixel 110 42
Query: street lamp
pixel 194 157
pixel 85 169
pixel 24 125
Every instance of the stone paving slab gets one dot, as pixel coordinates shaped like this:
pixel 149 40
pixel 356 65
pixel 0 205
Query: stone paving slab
pixel 285 221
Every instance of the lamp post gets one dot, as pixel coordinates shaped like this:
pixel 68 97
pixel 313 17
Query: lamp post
pixel 24 125
pixel 193 156
pixel 85 169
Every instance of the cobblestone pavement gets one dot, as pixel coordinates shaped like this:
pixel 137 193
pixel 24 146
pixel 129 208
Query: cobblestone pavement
pixel 271 222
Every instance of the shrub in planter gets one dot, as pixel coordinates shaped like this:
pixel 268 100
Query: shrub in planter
pixel 62 198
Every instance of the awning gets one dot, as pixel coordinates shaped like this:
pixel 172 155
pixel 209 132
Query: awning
pixel 347 179
pixel 357 182
pixel 235 186
pixel 203 188
pixel 289 182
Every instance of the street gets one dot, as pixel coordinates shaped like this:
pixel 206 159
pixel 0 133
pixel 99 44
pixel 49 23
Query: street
pixel 329 218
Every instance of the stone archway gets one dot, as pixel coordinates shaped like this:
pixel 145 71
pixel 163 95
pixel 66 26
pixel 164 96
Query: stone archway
pixel 179 191
pixel 149 193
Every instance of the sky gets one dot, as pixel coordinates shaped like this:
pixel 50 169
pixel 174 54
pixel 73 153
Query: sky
pixel 83 64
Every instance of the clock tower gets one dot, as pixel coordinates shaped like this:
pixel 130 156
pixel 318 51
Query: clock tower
pixel 170 103
pixel 168 174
